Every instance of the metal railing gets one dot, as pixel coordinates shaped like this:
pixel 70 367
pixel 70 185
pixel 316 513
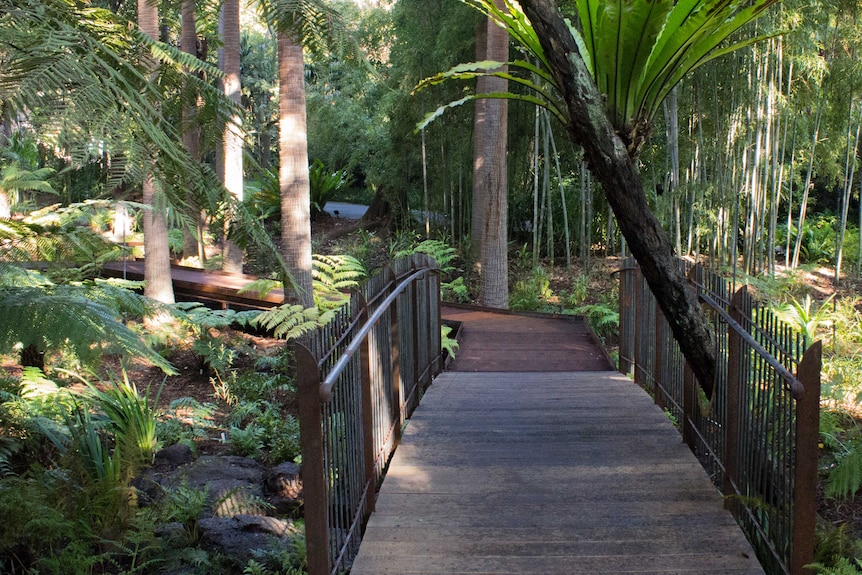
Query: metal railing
pixel 758 438
pixel 358 379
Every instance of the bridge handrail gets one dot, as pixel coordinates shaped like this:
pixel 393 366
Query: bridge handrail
pixel 359 338
pixel 796 387
pixel 358 379
pixel 759 439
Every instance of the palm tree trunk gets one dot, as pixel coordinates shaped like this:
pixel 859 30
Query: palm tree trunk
pixel 494 181
pixel 232 175
pixel 157 266
pixel 293 170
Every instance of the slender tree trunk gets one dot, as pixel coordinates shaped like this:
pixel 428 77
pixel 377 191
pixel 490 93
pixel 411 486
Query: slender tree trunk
pixel 537 227
pixel 425 189
pixel 562 190
pixel 193 231
pixel 849 172
pixel 609 160
pixel 797 248
pixel 157 265
pixel 232 175
pixel 293 170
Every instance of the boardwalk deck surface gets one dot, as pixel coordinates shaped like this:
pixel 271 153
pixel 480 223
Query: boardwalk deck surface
pixel 547 473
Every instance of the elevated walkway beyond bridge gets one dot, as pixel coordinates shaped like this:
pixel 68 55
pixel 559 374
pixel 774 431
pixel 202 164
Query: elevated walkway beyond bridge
pixel 531 457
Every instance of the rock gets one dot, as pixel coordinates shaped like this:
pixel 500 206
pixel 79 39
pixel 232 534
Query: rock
pixel 238 537
pixel 283 487
pixel 172 457
pixel 284 481
pixel 233 484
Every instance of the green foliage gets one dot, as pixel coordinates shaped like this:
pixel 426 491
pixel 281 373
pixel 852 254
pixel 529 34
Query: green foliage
pixel 333 277
pixel 290 321
pixel 324 185
pixel 70 316
pixel 603 318
pixel 185 505
pixel 842 443
pixel 20 170
pixel 133 422
pixel 803 318
pixel 637 52
pixel 247 441
pixel 263 426
pixel 449 344
pixel 842 566
pixel 184 421
pixel 532 293
pixel 836 550
pixel 279 559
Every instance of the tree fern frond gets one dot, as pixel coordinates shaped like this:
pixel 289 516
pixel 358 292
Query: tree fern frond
pixel 49 319
pixel 12 275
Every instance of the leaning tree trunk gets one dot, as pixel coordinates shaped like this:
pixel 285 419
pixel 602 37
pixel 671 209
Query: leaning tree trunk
pixel 293 169
pixel 610 162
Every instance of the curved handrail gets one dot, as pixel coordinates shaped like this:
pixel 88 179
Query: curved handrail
pixel 328 383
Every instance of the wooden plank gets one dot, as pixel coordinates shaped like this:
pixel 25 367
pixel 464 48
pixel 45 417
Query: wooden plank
pixel 547 473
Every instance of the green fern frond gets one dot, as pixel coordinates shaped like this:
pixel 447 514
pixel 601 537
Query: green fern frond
pixel 290 321
pixel 204 318
pixel 336 272
pixel 845 478
pixel 443 253
pixel 333 277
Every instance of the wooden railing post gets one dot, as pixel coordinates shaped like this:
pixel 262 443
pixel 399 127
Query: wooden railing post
pixel 626 337
pixel 395 360
pixel 734 385
pixel 312 450
pixel 638 320
pixel 689 404
pixel 658 378
pixel 436 351
pixel 807 451
pixel 414 305
pixel 366 382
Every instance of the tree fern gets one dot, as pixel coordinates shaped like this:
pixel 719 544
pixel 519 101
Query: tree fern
pixel 48 318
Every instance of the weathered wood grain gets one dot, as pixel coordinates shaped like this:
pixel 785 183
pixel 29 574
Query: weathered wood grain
pixel 547 473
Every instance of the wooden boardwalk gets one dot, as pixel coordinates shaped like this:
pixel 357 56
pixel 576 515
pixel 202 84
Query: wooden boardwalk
pixel 203 285
pixel 545 473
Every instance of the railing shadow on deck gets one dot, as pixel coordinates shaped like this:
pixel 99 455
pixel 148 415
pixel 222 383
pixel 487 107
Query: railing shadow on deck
pixel 758 441
pixel 359 378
